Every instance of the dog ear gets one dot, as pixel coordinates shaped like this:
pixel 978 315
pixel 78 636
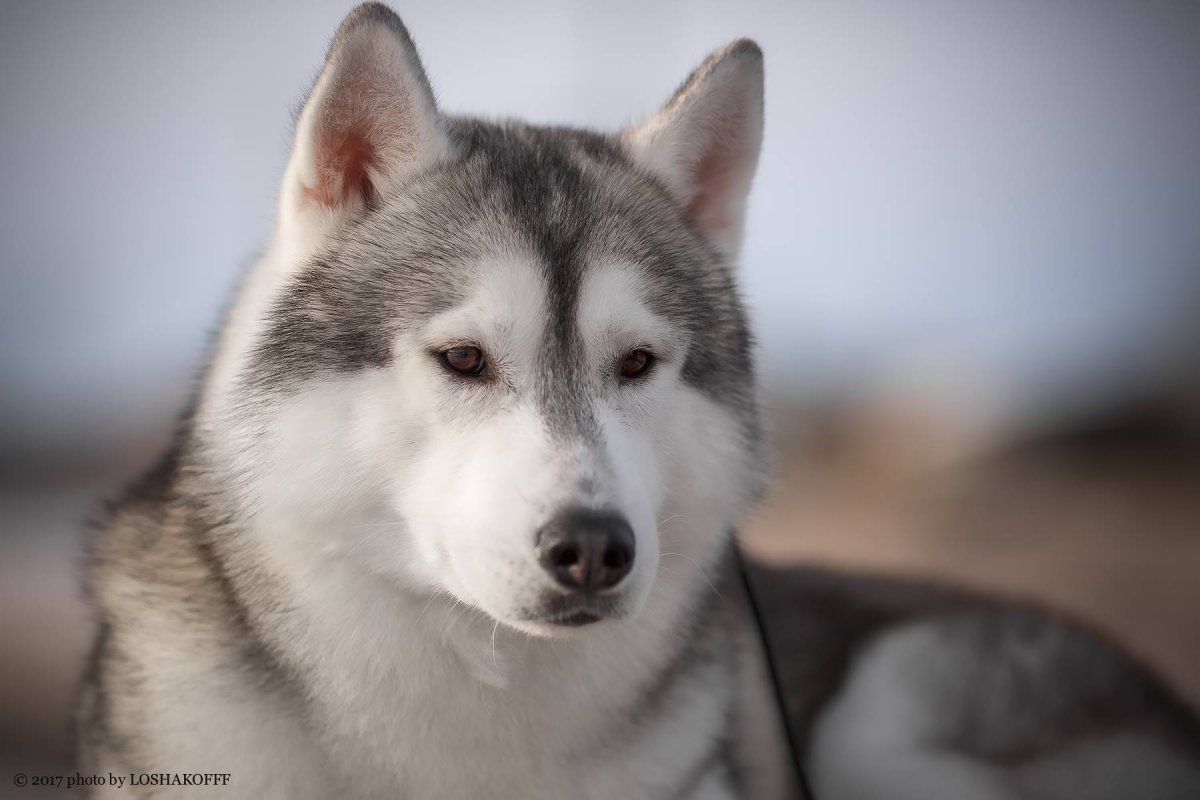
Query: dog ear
pixel 704 143
pixel 369 122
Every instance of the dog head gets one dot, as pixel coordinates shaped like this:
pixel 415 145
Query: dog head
pixel 496 360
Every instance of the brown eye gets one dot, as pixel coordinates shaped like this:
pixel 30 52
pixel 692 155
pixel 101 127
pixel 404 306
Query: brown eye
pixel 465 360
pixel 636 364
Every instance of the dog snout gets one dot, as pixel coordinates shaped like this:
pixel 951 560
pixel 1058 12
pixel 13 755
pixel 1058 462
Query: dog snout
pixel 587 550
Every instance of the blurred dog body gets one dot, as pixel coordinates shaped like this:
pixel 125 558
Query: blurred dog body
pixel 451 514
pixel 905 689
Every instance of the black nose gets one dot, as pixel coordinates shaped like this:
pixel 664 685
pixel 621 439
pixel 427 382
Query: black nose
pixel 586 550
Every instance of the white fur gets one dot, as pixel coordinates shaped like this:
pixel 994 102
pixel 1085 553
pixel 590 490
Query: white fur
pixel 401 528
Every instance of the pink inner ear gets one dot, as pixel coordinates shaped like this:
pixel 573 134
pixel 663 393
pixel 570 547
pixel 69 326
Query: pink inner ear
pixel 347 136
pixel 343 158
pixel 714 176
pixel 719 175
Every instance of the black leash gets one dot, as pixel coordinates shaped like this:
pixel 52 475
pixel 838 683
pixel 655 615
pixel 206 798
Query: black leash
pixel 773 670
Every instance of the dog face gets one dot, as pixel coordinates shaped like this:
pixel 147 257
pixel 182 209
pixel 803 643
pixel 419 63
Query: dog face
pixel 497 361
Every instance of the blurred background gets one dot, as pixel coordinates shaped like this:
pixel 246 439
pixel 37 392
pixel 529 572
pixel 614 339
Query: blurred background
pixel 973 258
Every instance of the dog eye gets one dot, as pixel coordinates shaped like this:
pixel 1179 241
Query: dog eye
pixel 467 360
pixel 635 364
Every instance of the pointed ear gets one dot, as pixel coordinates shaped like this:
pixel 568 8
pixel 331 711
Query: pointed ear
pixel 704 142
pixel 369 121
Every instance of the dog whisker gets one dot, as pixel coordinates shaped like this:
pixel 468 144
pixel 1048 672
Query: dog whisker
pixel 697 567
pixel 374 525
pixel 432 597
pixel 355 547
pixel 668 519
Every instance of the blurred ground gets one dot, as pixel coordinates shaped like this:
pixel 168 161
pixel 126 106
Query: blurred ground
pixel 1101 519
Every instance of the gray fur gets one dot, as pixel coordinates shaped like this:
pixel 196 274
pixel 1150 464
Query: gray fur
pixel 176 579
pixel 572 198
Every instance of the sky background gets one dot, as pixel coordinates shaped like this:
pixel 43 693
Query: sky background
pixel 995 200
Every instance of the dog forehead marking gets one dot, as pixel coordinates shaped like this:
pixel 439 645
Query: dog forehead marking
pixel 615 313
pixel 505 309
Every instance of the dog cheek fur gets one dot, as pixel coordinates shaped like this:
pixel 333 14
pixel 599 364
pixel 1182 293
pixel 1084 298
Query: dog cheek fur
pixel 713 475
pixel 474 503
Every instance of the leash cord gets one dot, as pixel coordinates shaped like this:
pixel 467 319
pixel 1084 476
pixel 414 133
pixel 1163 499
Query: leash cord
pixel 773 670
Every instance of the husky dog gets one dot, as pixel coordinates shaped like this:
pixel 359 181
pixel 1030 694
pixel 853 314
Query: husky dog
pixel 440 523
pixel 451 513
